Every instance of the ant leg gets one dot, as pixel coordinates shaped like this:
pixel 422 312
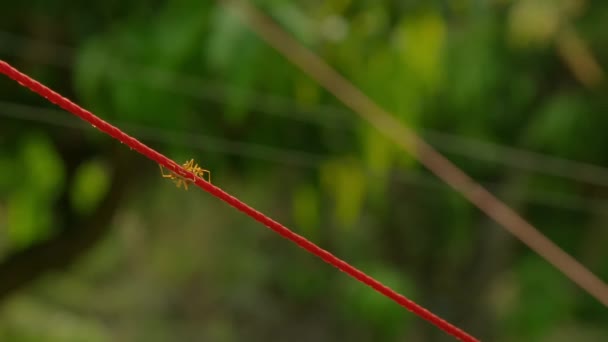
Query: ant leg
pixel 209 175
pixel 195 171
pixel 163 173
pixel 188 164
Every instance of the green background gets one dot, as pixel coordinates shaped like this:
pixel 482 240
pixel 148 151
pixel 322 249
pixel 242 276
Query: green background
pixel 96 246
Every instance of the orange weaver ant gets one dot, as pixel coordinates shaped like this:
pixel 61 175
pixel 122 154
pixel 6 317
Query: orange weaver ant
pixel 190 166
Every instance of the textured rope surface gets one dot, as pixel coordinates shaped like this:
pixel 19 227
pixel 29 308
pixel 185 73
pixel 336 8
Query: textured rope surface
pixel 136 145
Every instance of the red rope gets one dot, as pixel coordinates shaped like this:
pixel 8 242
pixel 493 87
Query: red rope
pixel 133 143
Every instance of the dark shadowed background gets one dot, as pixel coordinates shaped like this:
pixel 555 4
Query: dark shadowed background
pixel 96 246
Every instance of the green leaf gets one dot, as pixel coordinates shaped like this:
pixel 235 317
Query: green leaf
pixel 387 80
pixel 306 210
pixel 91 183
pixel 233 51
pixel 473 74
pixel 177 33
pixel 28 219
pixel 126 98
pixel 564 115
pixel 239 94
pixel 307 92
pixel 379 156
pixel 420 39
pixel 346 183
pixel 227 31
pixel 378 152
pixel 42 165
pixel 533 22
pixel 90 72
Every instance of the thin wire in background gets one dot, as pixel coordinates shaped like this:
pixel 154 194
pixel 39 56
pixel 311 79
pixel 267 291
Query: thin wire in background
pixel 331 117
pixel 214 91
pixel 408 140
pixel 162 76
pixel 282 156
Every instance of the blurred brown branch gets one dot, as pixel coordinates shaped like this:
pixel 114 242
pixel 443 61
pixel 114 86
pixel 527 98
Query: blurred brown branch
pixel 579 58
pixel 272 104
pixel 411 142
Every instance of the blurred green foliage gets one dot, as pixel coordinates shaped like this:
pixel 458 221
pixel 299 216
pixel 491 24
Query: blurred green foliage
pixel 189 78
pixel 90 185
pixel 29 212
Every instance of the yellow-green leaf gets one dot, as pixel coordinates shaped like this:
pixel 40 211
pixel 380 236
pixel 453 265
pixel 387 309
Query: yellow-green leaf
pixel 378 151
pixel 379 156
pixel 43 167
pixel 91 183
pixel 28 220
pixel 533 22
pixel 420 39
pixel 307 92
pixel 346 183
pixel 306 209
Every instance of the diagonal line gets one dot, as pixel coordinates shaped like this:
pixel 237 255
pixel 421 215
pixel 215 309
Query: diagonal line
pixel 136 145
pixel 283 156
pixel 579 58
pixel 214 91
pixel 188 138
pixel 407 139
